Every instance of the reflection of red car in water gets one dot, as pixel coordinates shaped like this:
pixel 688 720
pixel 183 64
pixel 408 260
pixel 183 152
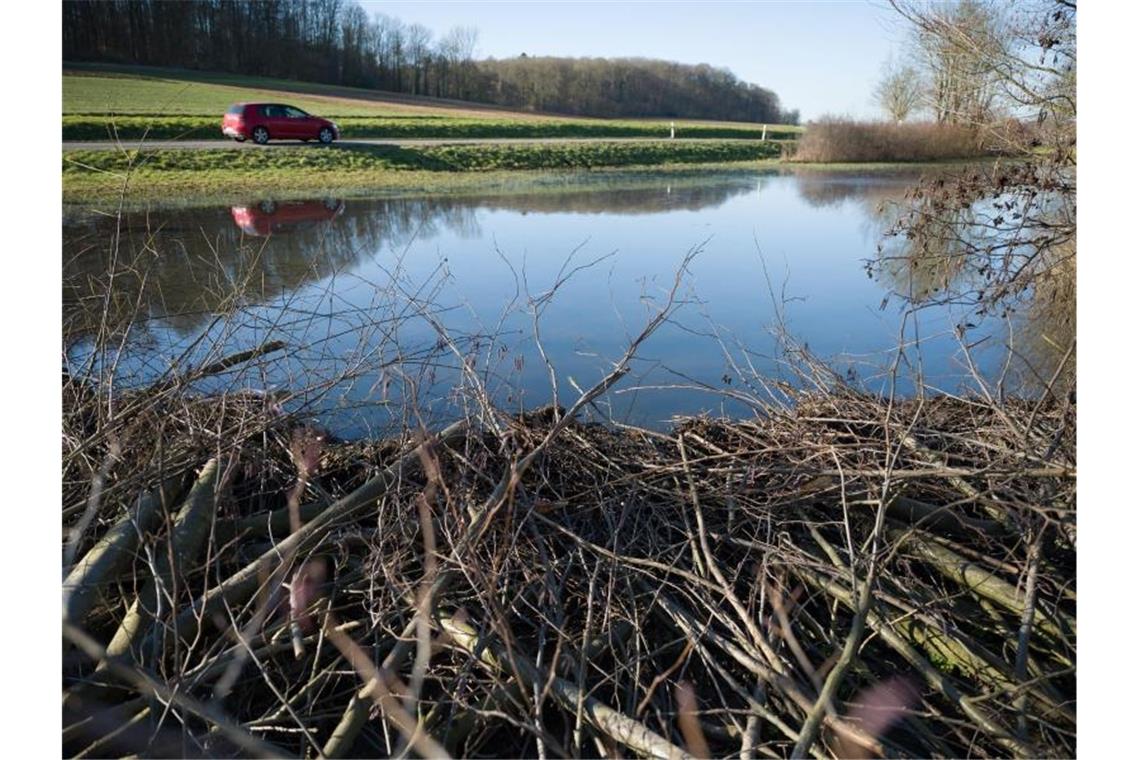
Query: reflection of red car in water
pixel 268 217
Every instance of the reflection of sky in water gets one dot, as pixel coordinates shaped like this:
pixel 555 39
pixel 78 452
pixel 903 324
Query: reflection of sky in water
pixel 812 232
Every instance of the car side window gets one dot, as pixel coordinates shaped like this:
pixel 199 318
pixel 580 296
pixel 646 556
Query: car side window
pixel 295 113
pixel 271 111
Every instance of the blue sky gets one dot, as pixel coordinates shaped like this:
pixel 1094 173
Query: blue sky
pixel 820 57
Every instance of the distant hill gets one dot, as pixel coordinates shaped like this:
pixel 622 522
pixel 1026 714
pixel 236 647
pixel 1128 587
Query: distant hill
pixel 338 43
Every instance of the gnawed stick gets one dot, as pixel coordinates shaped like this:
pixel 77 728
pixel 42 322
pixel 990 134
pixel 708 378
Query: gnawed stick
pixel 503 694
pixel 684 621
pixel 602 718
pixel 356 712
pixel 348 728
pixel 191 526
pixel 115 549
pixel 1025 631
pixel 984 583
pixel 268 524
pixel 232 360
pixel 823 704
pixel 919 513
pixel 382 688
pixel 936 679
pixel 242 585
pixel 149 686
pixel 944 643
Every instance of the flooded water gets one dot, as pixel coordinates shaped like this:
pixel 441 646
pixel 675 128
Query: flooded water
pixel 382 301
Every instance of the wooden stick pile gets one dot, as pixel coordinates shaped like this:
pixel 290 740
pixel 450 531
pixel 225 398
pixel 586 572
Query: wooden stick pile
pixel 842 576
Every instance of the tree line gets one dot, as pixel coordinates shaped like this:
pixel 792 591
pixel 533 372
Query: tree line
pixel 337 42
pixel 630 87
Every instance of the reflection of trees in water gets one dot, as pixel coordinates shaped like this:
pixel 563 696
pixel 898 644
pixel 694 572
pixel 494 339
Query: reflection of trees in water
pixel 925 269
pixel 662 196
pixel 1007 255
pixel 916 270
pixel 825 189
pixel 181 267
pixel 1048 327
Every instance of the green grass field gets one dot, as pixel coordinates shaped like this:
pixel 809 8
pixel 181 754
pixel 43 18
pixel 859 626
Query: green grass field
pixel 106 173
pixel 175 104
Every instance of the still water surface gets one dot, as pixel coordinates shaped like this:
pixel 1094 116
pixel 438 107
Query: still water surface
pixel 364 290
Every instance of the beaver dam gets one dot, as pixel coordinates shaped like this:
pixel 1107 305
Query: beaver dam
pixel 838 575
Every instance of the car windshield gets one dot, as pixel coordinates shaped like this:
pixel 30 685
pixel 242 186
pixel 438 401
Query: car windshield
pixel 235 109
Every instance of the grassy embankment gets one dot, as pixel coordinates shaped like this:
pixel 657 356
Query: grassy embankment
pixel 93 174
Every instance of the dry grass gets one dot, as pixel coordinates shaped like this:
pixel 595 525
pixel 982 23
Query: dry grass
pixel 842 140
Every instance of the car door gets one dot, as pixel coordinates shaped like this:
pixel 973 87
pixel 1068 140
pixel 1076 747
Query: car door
pixel 300 123
pixel 276 122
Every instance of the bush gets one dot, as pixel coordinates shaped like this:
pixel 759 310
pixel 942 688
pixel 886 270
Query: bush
pixel 836 140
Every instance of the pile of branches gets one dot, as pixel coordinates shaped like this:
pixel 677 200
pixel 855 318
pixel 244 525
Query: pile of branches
pixel 842 575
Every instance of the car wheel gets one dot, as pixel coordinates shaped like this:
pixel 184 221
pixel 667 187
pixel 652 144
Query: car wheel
pixel 239 139
pixel 260 135
pixel 268 207
pixel 326 135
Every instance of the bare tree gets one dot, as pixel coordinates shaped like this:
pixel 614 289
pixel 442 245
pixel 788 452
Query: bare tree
pixel 981 57
pixel 899 92
pixel 955 45
pixel 419 55
pixel 457 48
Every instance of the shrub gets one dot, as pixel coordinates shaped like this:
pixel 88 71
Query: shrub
pixel 835 140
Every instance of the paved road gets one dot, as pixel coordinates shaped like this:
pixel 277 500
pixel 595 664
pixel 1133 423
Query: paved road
pixel 233 144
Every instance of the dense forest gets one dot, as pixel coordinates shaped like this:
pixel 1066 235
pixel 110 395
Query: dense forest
pixel 338 42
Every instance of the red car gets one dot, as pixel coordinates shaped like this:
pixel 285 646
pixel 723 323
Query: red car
pixel 270 217
pixel 262 122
